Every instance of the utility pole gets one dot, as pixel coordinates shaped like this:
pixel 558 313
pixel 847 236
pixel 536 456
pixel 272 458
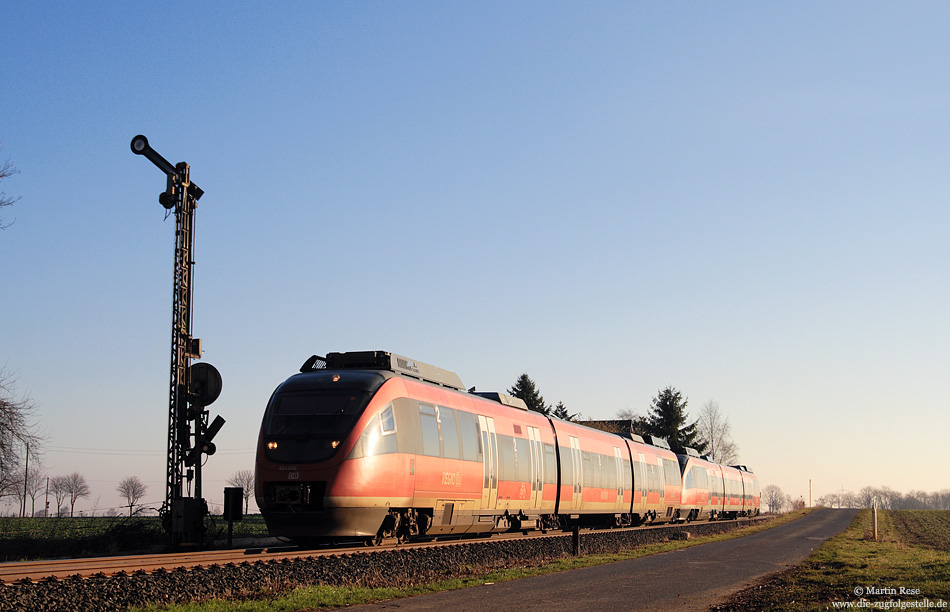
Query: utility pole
pixel 26 478
pixel 191 388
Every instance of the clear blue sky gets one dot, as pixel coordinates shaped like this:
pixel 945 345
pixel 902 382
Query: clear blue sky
pixel 747 201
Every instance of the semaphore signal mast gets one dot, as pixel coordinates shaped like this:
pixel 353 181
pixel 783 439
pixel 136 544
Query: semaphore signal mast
pixel 192 387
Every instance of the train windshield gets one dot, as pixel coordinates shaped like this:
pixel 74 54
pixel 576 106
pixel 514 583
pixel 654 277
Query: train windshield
pixel 309 417
pixel 321 412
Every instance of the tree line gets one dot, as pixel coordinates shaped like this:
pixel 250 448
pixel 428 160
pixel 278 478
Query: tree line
pixel 74 487
pixel 775 501
pixel 888 499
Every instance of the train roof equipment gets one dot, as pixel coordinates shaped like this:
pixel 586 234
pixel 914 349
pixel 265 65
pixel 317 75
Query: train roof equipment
pixel 657 441
pixel 382 360
pixel 620 427
pixel 502 398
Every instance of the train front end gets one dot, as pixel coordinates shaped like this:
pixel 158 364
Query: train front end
pixel 303 486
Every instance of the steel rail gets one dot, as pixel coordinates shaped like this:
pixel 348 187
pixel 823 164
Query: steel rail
pixel 36 571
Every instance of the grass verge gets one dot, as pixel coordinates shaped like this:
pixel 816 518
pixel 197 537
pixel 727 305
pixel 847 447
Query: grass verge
pixel 853 570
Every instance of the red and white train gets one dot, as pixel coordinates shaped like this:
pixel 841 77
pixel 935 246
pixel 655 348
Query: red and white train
pixel 371 445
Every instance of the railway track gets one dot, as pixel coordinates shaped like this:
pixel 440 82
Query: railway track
pixel 60 569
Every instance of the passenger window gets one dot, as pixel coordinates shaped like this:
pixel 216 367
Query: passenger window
pixel 506 458
pixel 523 459
pixel 588 469
pixel 567 467
pixel 450 433
pixel 672 472
pixel 468 435
pixel 550 465
pixel 430 431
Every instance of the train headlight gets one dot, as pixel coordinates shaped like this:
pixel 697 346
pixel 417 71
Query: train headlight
pixel 272 445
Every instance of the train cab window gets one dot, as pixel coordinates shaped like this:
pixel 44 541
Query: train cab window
pixel 374 440
pixel 387 420
pixel 429 421
pixel 450 433
pixel 468 435
pixel 316 412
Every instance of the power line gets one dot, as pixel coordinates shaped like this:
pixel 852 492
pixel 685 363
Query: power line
pixel 78 450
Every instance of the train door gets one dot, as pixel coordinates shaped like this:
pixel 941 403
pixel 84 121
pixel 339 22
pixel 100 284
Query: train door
pixel 490 462
pixel 618 461
pixel 578 472
pixel 537 466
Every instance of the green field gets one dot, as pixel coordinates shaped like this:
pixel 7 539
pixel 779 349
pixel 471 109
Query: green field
pixel 49 538
pixel 907 567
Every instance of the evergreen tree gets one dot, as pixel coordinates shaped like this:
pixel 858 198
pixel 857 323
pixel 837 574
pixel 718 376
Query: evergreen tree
pixel 667 419
pixel 560 411
pixel 526 390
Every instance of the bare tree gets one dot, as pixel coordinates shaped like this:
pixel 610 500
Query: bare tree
pixel 889 498
pixel 59 487
pixel 35 483
pixel 774 498
pixel 245 480
pixel 77 489
pixel 849 500
pixel 18 437
pixel 867 497
pixel 714 428
pixel 16 490
pixel 132 490
pixel 6 171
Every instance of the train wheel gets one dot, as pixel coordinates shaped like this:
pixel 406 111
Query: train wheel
pixel 405 524
pixel 388 528
pixel 423 521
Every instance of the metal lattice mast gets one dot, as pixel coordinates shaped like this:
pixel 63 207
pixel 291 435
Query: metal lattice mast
pixel 179 429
